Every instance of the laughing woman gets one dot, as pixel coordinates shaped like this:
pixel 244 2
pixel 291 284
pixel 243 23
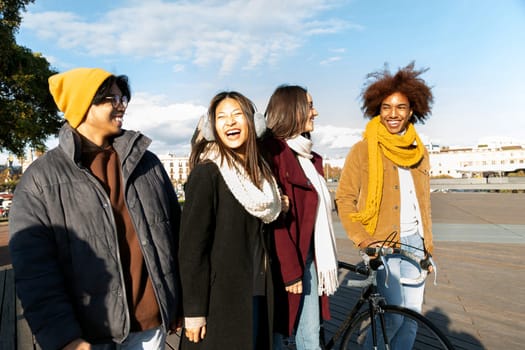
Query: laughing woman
pixel 230 197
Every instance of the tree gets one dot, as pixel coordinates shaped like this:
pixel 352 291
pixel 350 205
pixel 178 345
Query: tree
pixel 28 114
pixel 332 173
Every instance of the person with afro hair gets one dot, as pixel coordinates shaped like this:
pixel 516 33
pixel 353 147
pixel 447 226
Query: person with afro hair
pixel 384 189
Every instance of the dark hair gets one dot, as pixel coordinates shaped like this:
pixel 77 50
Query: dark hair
pixel 253 163
pixel 382 84
pixel 287 111
pixel 104 89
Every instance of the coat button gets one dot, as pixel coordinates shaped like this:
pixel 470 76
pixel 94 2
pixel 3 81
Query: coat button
pixel 395 207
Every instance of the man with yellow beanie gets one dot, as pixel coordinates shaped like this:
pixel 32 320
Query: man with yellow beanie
pixel 94 227
pixel 383 196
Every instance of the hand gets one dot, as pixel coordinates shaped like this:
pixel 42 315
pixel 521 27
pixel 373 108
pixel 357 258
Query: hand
pixel 430 268
pixel 195 334
pixel 285 203
pixel 77 344
pixel 296 288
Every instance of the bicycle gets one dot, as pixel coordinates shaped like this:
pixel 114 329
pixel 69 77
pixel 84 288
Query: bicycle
pixel 367 317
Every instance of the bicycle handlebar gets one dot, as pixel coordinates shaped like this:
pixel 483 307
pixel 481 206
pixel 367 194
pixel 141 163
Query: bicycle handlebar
pixel 380 252
pixel 360 269
pixel 373 251
pixel 421 263
pixel 363 283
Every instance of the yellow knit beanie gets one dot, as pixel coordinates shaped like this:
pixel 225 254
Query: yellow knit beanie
pixel 73 91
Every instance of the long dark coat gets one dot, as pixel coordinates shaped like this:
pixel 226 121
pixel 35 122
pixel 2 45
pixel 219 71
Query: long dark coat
pixel 293 232
pixel 216 262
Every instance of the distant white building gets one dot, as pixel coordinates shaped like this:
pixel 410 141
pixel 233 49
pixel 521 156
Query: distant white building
pixel 495 159
pixel 177 167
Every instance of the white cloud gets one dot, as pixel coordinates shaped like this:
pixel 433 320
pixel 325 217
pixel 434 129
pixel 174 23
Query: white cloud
pixel 178 68
pixel 170 126
pixel 331 60
pixel 197 32
pixel 334 141
pixel 329 27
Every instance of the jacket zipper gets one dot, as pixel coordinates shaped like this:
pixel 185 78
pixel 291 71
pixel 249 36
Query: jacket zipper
pixel 107 205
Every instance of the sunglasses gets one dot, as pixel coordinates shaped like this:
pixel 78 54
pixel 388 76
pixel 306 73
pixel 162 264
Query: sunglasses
pixel 116 100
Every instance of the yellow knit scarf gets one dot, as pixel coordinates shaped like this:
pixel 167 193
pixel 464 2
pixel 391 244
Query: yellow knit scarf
pixel 404 150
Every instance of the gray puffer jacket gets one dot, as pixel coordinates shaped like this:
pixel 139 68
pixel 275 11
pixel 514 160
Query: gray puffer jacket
pixel 64 246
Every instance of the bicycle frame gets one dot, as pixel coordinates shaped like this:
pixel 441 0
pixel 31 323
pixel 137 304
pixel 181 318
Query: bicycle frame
pixel 369 294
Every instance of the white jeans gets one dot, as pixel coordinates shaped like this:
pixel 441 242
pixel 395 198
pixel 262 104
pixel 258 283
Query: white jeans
pixel 151 339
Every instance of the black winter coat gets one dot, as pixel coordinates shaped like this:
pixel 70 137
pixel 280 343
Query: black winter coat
pixel 217 262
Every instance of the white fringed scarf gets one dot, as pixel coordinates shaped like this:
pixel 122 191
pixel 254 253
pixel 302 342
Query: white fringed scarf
pixel 324 238
pixel 264 204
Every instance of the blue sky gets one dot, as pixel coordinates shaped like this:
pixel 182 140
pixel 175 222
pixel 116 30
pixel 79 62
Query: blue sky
pixel 179 54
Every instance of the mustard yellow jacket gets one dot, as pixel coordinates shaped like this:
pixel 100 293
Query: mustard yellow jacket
pixel 353 188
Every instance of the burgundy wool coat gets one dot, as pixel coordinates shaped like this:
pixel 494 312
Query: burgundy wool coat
pixel 293 231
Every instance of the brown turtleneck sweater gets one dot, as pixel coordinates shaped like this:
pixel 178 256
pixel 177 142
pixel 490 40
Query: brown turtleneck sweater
pixel 143 308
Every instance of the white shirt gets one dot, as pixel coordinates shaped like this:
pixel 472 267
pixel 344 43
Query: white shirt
pixel 410 214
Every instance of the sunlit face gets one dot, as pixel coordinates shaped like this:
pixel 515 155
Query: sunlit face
pixel 395 113
pixel 231 125
pixel 103 120
pixel 312 114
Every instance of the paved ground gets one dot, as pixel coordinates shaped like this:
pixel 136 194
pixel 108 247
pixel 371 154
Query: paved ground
pixel 480 240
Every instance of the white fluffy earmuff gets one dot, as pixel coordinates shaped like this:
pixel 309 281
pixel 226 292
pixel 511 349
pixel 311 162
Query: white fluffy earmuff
pixel 260 124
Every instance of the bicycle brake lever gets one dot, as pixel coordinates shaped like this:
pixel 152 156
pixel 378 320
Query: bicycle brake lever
pixel 383 260
pixel 434 267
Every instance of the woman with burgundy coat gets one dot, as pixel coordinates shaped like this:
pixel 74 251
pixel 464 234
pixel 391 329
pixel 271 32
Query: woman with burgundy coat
pixel 305 262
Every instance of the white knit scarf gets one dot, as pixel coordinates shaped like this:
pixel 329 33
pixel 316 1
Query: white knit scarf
pixel 324 238
pixel 264 204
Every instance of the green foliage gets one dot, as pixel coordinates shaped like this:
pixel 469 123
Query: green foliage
pixel 28 114
pixel 10 13
pixel 9 178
